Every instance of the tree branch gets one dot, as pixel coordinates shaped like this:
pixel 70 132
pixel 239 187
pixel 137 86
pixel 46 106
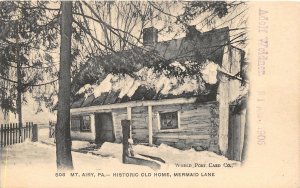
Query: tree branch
pixel 27 84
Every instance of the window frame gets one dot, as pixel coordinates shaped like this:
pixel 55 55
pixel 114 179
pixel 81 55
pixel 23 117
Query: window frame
pixel 72 121
pixel 171 129
pixel 82 123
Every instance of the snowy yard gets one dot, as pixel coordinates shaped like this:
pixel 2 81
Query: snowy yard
pixel 109 156
pixel 35 163
pixel 169 154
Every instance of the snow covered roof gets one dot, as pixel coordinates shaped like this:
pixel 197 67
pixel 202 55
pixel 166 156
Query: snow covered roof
pixel 93 87
pixel 146 84
pixel 206 45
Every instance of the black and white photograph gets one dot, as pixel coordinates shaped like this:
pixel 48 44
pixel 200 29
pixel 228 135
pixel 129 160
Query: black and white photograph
pixel 104 91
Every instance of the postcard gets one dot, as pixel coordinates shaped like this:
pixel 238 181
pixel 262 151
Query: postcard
pixel 149 94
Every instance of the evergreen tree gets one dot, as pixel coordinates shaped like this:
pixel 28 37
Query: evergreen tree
pixel 28 35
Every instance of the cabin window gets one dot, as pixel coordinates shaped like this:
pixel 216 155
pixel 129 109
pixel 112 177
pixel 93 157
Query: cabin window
pixel 81 123
pixel 85 124
pixel 168 120
pixel 75 123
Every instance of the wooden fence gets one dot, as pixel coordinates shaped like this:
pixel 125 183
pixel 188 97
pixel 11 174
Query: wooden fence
pixel 12 133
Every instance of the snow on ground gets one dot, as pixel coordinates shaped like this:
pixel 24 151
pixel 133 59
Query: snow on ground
pixel 172 155
pixel 80 144
pixel 169 154
pixel 32 154
pixel 29 153
pixel 34 165
pixel 43 132
pixel 44 138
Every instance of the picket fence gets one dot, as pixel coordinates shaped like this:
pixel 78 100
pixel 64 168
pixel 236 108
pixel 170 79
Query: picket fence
pixel 12 133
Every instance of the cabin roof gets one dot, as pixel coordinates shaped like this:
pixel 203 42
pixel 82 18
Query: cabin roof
pixel 141 94
pixel 149 86
pixel 206 46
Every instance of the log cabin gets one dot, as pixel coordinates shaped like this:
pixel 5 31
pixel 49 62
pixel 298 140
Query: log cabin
pixel 191 112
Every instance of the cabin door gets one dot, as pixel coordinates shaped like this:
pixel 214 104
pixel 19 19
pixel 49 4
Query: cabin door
pixel 104 128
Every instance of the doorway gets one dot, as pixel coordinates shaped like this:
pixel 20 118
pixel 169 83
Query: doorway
pixel 104 128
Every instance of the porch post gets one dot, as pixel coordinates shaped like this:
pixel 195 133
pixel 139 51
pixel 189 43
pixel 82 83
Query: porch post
pixel 93 126
pixel 150 125
pixel 129 118
pixel 125 132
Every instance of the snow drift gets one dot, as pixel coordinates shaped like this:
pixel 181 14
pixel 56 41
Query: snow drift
pixel 169 154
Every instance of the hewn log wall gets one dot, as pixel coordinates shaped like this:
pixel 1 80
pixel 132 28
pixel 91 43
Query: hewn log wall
pixel 139 122
pixel 198 126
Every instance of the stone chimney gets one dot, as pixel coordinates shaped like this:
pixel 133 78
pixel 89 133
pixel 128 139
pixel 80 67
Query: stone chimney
pixel 191 31
pixel 150 36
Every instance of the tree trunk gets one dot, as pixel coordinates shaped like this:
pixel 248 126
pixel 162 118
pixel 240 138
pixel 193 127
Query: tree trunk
pixel 62 133
pixel 19 82
pixel 19 94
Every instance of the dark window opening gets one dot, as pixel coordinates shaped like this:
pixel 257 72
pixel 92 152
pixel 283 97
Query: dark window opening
pixel 81 123
pixel 168 120
pixel 85 124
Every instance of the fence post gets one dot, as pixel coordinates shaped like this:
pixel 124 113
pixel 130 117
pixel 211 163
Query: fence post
pixel 7 135
pixel 26 131
pixel 10 134
pixel 1 139
pixel 19 132
pixel 5 138
pixel 126 133
pixel 34 133
pixel 23 133
pixel 14 133
pixel 29 129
